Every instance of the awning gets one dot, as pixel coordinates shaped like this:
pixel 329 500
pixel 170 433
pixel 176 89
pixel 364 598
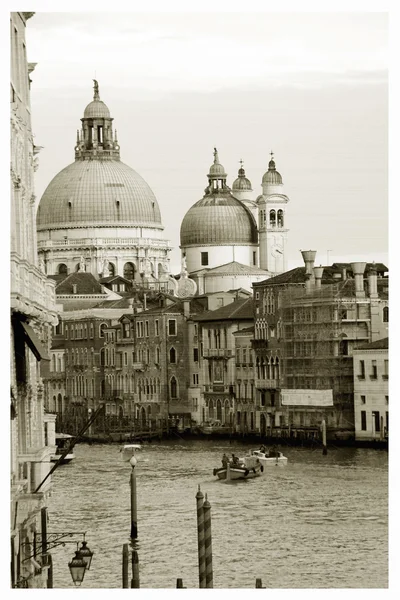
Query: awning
pixel 34 343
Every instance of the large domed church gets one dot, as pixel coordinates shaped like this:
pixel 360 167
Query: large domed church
pixel 98 215
pixel 230 240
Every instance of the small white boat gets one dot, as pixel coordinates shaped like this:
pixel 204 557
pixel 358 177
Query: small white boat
pixel 271 458
pixel 241 468
pixel 63 441
pixel 129 450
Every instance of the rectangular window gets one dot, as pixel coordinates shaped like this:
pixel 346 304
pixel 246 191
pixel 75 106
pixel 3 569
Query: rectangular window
pixel 204 259
pixel 125 359
pixel 195 355
pixel 91 330
pixel 237 357
pixel 377 420
pixel 195 403
pixel 146 328
pixel 387 399
pixel 374 373
pixel 171 327
pixel 361 374
pixel 156 327
pixel 254 258
pixel 139 329
pixel 244 356
pixel 195 378
pixel 126 331
pixel 385 369
pixel 257 295
pixel 363 400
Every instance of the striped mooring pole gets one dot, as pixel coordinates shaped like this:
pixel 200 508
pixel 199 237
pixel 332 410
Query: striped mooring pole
pixel 207 543
pixel 200 538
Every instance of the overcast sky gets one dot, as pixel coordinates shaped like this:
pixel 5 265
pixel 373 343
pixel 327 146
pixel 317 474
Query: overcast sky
pixel 310 86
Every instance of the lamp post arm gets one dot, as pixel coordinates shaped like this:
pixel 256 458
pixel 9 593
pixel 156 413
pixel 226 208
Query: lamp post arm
pixel 72 444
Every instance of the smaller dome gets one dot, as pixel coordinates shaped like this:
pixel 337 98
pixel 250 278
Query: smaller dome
pixel 242 183
pixel 96 110
pixel 272 176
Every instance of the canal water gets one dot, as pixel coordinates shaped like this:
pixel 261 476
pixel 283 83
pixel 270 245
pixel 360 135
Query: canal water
pixel 319 522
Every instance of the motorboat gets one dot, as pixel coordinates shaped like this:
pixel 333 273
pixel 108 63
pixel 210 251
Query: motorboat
pixel 239 468
pixel 129 450
pixel 270 458
pixel 63 441
pixel 210 427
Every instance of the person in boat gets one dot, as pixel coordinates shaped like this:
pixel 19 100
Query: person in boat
pixel 263 448
pixel 274 453
pixel 224 460
pixel 235 460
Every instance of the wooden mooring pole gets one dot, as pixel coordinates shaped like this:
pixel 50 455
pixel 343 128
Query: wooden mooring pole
pixel 259 584
pixel 134 531
pixel 125 566
pixel 208 543
pixel 179 584
pixel 200 538
pixel 135 583
pixel 324 448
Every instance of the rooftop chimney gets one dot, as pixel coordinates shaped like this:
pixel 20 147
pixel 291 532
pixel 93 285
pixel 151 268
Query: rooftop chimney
pixel 74 288
pixel 309 258
pixel 186 308
pixel 358 270
pixel 318 271
pixel 373 282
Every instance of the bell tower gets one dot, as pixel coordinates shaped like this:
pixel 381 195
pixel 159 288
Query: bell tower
pixel 272 222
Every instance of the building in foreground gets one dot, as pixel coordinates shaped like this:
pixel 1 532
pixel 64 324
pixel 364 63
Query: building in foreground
pixel 371 390
pixel 33 313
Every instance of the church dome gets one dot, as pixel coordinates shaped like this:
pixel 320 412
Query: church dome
pixel 242 184
pixel 98 193
pixel 97 190
pixel 218 219
pixel 272 176
pixel 96 110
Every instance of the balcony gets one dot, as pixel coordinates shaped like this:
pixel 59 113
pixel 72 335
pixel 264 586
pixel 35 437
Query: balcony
pixel 217 353
pixel 138 366
pixel 31 292
pixel 148 242
pixel 259 344
pixel 266 384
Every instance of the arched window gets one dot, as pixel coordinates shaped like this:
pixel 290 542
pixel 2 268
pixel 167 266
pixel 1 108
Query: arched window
pixel 258 367
pixel 272 218
pixel 102 327
pixel 103 388
pixel 66 332
pixel 62 269
pixel 129 270
pixel 111 269
pixel 280 218
pixel 102 358
pixel 174 388
pixel 386 314
pixel 277 368
pixel 53 363
pixel 172 356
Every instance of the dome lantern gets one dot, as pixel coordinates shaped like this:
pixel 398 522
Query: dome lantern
pixel 216 176
pixel 96 139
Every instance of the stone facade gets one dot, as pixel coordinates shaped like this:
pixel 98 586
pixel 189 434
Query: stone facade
pixel 33 312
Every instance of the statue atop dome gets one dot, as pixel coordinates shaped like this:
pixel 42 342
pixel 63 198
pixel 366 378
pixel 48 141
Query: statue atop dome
pixel 96 95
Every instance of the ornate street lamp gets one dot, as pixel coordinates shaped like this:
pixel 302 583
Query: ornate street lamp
pixel 86 554
pixel 77 567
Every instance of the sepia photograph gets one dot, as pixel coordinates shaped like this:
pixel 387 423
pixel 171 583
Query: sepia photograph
pixel 199 296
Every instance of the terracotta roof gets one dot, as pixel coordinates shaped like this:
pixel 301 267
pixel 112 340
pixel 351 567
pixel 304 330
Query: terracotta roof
pixel 382 344
pixel 86 284
pixel 238 310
